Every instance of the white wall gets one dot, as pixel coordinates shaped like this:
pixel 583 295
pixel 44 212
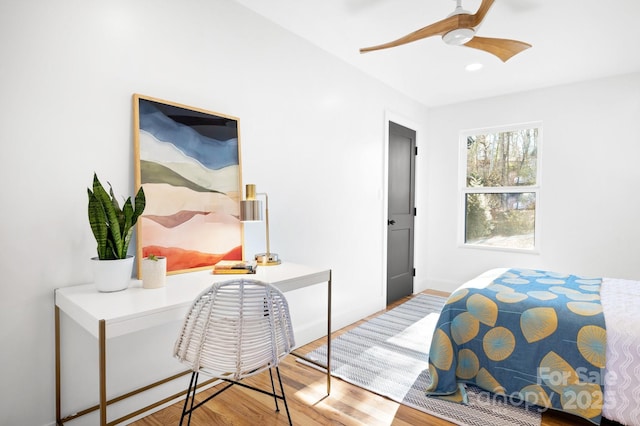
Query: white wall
pixel 589 201
pixel 312 135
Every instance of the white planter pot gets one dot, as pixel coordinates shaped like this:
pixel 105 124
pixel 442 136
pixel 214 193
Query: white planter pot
pixel 112 275
pixel 154 272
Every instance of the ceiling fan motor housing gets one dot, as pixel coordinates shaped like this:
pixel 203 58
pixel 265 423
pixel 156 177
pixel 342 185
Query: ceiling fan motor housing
pixel 459 36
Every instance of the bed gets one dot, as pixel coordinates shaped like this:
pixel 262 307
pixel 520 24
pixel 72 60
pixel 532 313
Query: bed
pixel 557 341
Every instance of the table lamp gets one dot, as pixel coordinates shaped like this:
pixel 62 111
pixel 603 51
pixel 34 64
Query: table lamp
pixel 250 211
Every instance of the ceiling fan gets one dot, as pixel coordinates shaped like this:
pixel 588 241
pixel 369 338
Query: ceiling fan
pixel 459 28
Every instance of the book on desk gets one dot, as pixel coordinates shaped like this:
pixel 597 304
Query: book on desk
pixel 235 267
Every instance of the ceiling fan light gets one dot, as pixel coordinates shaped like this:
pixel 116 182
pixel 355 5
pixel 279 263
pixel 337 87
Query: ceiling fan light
pixel 459 36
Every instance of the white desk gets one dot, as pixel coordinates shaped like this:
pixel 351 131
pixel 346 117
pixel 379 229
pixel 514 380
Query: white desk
pixel 108 315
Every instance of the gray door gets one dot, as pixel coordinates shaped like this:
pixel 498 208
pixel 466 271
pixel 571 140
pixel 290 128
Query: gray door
pixel 401 213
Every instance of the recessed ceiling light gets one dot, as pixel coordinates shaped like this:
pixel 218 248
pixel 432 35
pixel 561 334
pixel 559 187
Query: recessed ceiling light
pixel 473 67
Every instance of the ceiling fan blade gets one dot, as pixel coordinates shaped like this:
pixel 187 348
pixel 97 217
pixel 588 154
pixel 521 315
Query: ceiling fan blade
pixel 482 12
pixel 503 48
pixel 438 28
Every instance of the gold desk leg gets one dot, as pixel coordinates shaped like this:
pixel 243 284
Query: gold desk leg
pixel 329 335
pixel 57 355
pixel 103 374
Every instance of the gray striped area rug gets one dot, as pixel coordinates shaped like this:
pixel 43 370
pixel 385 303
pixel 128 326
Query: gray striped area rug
pixel 389 354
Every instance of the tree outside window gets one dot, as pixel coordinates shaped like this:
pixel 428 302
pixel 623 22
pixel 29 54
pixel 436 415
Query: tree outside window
pixel 501 186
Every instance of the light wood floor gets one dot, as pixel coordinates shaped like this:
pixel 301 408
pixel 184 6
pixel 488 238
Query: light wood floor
pixel 305 388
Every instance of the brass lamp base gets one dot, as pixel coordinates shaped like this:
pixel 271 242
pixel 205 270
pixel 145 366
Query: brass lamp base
pixel 267 259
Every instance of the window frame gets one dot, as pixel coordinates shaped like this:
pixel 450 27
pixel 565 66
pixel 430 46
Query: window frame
pixel 464 190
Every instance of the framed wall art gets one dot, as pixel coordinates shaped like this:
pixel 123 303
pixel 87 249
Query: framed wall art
pixel 188 162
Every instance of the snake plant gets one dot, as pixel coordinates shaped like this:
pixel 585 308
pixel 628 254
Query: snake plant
pixel 112 227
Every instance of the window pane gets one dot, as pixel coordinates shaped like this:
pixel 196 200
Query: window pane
pixel 502 159
pixel 504 220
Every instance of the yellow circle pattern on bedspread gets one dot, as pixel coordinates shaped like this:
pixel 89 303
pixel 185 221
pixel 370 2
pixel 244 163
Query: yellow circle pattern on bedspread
pixel 538 323
pixel 535 335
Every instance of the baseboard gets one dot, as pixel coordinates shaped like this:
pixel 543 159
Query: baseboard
pixel 436 284
pixel 310 331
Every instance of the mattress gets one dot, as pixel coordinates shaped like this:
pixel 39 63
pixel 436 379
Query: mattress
pixel 620 300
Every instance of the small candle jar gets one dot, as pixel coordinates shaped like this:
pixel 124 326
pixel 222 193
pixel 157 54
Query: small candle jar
pixel 154 271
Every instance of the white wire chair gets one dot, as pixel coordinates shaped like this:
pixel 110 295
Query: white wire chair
pixel 235 329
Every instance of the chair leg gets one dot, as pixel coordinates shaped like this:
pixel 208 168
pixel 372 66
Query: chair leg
pixel 186 399
pixel 193 385
pixel 273 390
pixel 286 407
pixel 191 395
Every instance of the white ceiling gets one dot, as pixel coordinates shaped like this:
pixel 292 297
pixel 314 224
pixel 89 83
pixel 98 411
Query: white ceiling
pixel 572 40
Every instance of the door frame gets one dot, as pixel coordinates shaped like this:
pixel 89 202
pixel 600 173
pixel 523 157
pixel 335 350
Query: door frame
pixel 405 122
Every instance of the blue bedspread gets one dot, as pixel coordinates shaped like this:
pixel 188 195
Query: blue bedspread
pixel 535 336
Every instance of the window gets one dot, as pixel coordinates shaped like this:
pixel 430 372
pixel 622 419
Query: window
pixel 500 184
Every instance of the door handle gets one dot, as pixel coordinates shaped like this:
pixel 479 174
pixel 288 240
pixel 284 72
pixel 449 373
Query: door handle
pixel 391 222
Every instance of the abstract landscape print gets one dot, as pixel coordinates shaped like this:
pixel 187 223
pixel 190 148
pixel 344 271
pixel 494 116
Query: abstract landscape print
pixel 188 162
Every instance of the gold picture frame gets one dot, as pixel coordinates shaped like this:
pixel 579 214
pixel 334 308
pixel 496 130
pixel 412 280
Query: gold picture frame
pixel 188 162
